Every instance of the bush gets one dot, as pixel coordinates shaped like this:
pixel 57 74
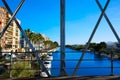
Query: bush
pixel 19 70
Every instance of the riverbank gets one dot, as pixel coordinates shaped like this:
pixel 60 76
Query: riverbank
pixel 106 53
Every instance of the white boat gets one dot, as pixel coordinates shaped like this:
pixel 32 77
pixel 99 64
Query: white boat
pixel 115 57
pixel 48 58
pixel 43 74
pixel 55 49
pixel 47 64
pixel 50 54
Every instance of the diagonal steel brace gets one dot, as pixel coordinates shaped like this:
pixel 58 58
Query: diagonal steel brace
pixel 108 21
pixel 29 43
pixel 12 16
pixel 87 45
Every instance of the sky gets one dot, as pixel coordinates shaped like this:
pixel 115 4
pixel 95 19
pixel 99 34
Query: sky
pixel 43 16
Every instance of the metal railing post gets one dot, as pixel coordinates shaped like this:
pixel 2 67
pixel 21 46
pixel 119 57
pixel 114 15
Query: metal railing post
pixel 62 38
pixel 112 67
pixel 11 64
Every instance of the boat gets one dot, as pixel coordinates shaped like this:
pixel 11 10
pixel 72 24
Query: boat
pixel 49 57
pixel 43 74
pixel 47 64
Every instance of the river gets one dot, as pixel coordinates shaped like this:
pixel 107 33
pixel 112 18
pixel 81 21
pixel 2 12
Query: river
pixel 92 64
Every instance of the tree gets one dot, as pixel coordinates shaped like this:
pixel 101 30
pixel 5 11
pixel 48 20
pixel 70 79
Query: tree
pixel 100 47
pixel 28 32
pixel 97 47
pixel 92 45
pixel 103 45
pixel 37 38
pixel 56 44
pixel 34 37
pixel 47 44
pixel 82 47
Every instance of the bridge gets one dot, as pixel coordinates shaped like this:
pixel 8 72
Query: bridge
pixel 63 74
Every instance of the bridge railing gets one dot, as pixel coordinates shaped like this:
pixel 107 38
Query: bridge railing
pixel 24 61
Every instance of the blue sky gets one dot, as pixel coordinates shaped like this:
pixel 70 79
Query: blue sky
pixel 81 16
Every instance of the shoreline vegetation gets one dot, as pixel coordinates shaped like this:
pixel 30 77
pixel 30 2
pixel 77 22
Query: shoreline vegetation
pixel 102 48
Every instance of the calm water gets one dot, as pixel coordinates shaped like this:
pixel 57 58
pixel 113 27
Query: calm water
pixel 89 66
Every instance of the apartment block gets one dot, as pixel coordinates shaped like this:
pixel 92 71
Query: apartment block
pixel 11 39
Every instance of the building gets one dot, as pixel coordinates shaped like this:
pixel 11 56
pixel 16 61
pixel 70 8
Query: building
pixel 11 39
pixel 3 21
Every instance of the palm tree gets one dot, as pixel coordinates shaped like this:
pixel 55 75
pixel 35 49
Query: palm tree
pixel 28 33
pixel 32 38
pixel 37 39
pixel 48 44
